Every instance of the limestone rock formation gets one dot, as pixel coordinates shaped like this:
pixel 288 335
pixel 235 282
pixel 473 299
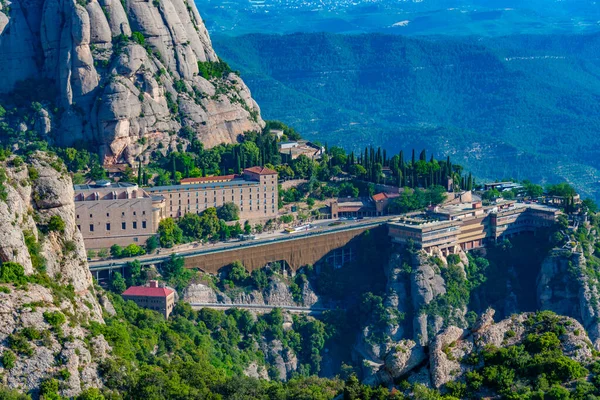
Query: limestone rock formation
pixel 126 74
pixel 277 293
pixel 36 192
pixel 564 287
pixel 447 357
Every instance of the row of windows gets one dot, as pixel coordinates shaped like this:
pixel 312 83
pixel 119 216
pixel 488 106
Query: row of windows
pixel 223 192
pixel 134 225
pixel 122 214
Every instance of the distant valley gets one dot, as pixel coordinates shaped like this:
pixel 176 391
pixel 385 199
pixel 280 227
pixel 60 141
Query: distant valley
pixel 518 106
pixel 448 17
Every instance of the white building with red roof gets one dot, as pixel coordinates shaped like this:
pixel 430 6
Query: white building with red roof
pixel 152 297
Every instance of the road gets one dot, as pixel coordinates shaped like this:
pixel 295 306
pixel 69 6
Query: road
pixel 219 306
pixel 320 228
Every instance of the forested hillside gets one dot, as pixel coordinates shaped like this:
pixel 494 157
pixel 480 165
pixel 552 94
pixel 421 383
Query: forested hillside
pixel 527 105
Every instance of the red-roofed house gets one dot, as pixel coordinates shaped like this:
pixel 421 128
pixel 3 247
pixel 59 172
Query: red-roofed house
pixel 153 297
pixel 382 200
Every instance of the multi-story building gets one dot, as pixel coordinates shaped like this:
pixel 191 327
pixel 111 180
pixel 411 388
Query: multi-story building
pixel 254 192
pixel 153 297
pixel 470 225
pixel 122 213
pixel 116 213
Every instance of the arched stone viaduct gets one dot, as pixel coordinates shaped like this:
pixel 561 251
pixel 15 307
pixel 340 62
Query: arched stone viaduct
pixel 297 253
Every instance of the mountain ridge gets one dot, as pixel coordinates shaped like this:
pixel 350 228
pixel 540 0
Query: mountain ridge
pixel 125 77
pixel 527 103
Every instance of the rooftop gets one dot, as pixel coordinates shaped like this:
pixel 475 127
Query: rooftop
pixel 104 185
pixel 384 196
pixel 261 171
pixel 233 182
pixel 147 291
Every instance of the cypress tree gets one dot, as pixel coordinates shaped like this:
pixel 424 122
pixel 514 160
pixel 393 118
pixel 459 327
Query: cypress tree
pixel 174 167
pixel 423 156
pixel 413 157
pixel 140 173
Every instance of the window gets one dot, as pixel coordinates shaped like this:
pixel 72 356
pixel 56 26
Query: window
pixel 79 227
pixel 108 214
pixel 108 227
pixel 123 225
pixel 135 239
pixel 134 213
pixel 91 227
pixel 134 225
pixel 90 215
pixel 123 214
pixel 143 224
pixel 77 216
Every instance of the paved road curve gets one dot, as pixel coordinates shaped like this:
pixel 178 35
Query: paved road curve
pixel 227 246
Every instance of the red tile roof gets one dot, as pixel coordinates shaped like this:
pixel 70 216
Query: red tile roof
pixel 383 196
pixel 147 291
pixel 208 179
pixel 379 197
pixel 261 171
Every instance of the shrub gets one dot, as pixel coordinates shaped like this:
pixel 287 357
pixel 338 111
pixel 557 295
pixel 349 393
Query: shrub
pixel 151 244
pixel 4 289
pixel 64 374
pixel 70 246
pixel 118 284
pixel 33 173
pixel 56 224
pixel 55 318
pixel 238 273
pixel 31 333
pixel 11 272
pixel 229 212
pixel 138 37
pixel 8 359
pixel 3 181
pixel 116 250
pixel 20 345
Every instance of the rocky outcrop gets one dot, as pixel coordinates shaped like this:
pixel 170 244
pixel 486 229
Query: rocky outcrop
pixel 277 293
pixel 36 192
pixel 449 356
pixel 125 73
pixel 282 359
pixel 564 287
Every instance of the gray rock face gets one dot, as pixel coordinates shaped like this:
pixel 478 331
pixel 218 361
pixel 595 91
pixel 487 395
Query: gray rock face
pixel 36 192
pixel 281 358
pixel 117 88
pixel 565 288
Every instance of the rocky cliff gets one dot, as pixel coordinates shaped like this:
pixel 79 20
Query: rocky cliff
pixel 127 76
pixel 417 310
pixel 44 306
pixel 455 351
pixel 566 287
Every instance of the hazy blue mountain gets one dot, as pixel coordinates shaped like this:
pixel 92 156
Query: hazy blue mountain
pixel 518 106
pixel 452 17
